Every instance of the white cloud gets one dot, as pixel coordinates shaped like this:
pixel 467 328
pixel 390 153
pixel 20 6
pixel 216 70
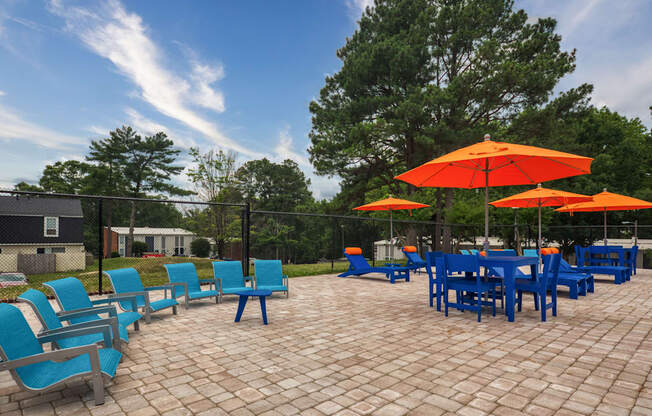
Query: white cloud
pixel 357 7
pixel 15 127
pixel 284 148
pixel 148 127
pixel 2 93
pixel 121 37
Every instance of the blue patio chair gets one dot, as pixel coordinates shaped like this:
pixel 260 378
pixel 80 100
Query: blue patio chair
pixel 126 282
pixel 435 261
pixel 530 252
pixel 465 252
pixel 229 277
pixel 185 275
pixel 358 266
pixel 52 323
pixel 34 369
pixel 473 283
pixel 71 296
pixel 474 252
pixel 620 273
pixel 539 287
pixel 630 261
pixel 269 276
pixel 413 260
pixel 578 282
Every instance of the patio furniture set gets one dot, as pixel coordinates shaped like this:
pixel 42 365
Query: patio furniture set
pixel 86 335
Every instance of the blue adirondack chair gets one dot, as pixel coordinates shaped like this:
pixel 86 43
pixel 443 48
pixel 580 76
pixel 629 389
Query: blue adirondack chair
pixel 185 274
pixel 126 282
pixel 472 284
pixel 578 283
pixel 34 369
pixel 435 261
pixel 358 266
pixel 269 276
pixel 71 296
pixel 620 273
pixel 539 287
pixel 229 277
pixel 52 323
pixel 413 260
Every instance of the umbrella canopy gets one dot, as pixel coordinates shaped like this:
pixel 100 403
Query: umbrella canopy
pixel 491 163
pixel 390 204
pixel 540 197
pixel 607 201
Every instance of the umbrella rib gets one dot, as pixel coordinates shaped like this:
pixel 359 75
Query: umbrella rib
pixel 565 164
pixel 519 168
pixel 433 175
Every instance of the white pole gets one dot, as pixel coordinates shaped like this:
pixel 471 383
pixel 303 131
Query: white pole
pixel 391 230
pixel 486 200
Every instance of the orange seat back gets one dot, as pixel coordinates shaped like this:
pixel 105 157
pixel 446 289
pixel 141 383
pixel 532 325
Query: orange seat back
pixel 352 251
pixel 410 249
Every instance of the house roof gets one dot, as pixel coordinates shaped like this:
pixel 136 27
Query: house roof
pixel 40 206
pixel 152 231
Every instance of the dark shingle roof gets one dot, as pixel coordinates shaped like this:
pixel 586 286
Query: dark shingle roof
pixel 40 206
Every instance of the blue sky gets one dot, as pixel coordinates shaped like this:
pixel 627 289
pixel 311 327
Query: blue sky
pixel 238 75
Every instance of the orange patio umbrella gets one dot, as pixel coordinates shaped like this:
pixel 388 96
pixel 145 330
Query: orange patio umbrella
pixel 390 204
pixel 540 197
pixel 491 163
pixel 607 201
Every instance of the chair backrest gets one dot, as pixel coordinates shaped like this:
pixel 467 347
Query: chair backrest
pixel 183 273
pixel 550 274
pixel 502 253
pixel 461 263
pixel 16 337
pixel 412 254
pixel 230 272
pixel 431 261
pixel 268 272
pixel 599 249
pixel 580 253
pixel 355 257
pixel 42 308
pixel 634 254
pixel 70 293
pixel 126 281
pixel 464 252
pixel 530 252
pixel 474 251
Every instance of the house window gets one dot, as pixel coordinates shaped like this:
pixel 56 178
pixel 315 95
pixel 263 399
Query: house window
pixel 163 244
pixel 51 226
pixel 178 246
pixel 49 250
pixel 122 241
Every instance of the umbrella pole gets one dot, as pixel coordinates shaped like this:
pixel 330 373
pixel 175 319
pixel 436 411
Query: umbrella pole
pixel 540 242
pixel 391 231
pixel 636 230
pixel 605 226
pixel 486 207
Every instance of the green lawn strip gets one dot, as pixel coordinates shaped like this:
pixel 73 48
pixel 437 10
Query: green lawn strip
pixel 152 273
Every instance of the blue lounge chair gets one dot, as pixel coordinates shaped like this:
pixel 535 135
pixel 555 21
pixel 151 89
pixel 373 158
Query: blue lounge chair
pixel 578 283
pixel 269 276
pixel 413 260
pixel 185 275
pixel 465 252
pixel 126 282
pixel 52 323
pixel 472 284
pixel 71 296
pixel 359 266
pixel 434 261
pixel 36 370
pixel 620 273
pixel 539 287
pixel 474 251
pixel 229 277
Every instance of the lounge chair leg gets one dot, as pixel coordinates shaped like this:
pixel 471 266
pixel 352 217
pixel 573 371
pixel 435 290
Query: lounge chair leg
pixel 174 309
pixel 536 302
pixel 148 317
pixel 98 381
pixel 136 326
pixel 573 291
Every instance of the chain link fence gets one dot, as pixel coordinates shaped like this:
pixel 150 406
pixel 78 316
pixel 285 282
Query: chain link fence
pixel 46 237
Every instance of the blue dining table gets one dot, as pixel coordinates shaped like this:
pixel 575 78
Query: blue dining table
pixel 509 264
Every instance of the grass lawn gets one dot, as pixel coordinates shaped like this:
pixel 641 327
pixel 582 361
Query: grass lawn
pixel 153 273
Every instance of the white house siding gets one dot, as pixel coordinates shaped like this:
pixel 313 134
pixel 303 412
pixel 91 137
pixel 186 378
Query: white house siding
pixel 74 257
pixel 160 235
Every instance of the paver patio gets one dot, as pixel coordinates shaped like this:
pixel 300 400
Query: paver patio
pixel 361 346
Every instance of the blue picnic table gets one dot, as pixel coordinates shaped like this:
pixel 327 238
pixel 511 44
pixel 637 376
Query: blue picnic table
pixel 509 264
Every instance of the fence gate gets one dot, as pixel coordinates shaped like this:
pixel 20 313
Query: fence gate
pixel 37 263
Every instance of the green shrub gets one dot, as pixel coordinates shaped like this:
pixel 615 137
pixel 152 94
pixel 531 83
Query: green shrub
pixel 115 254
pixel 200 247
pixel 138 248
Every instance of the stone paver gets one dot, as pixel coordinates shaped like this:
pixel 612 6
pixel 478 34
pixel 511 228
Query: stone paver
pixel 360 346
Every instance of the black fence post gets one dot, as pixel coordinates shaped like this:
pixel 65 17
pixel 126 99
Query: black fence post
pixel 100 244
pixel 247 214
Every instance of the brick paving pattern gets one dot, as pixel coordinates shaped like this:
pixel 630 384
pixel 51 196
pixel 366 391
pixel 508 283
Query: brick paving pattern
pixel 360 346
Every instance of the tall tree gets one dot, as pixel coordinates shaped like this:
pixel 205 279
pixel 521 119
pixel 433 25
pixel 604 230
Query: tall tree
pixel 214 181
pixel 148 167
pixel 422 77
pixel 107 156
pixel 69 177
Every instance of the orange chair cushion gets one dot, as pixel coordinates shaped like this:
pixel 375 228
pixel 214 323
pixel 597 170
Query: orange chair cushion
pixel 546 251
pixel 554 250
pixel 483 253
pixel 410 249
pixel 351 251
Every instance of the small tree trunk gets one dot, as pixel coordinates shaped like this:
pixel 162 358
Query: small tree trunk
pixel 132 222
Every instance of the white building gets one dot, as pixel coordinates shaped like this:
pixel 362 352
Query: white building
pixel 167 241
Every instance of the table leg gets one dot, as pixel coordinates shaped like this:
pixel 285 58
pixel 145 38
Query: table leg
pixel 242 301
pixel 263 308
pixel 509 293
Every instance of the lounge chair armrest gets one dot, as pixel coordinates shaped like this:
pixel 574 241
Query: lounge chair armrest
pixel 77 313
pixel 57 355
pixel 218 284
pixel 131 297
pixel 184 285
pixel 76 332
pixel 285 279
pixel 213 282
pixel 163 287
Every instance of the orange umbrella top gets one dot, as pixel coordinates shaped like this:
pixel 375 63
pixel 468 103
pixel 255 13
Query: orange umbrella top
pixel 390 204
pixel 540 197
pixel 506 163
pixel 607 201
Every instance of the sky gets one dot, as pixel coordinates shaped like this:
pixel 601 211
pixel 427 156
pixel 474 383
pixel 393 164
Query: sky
pixel 235 75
